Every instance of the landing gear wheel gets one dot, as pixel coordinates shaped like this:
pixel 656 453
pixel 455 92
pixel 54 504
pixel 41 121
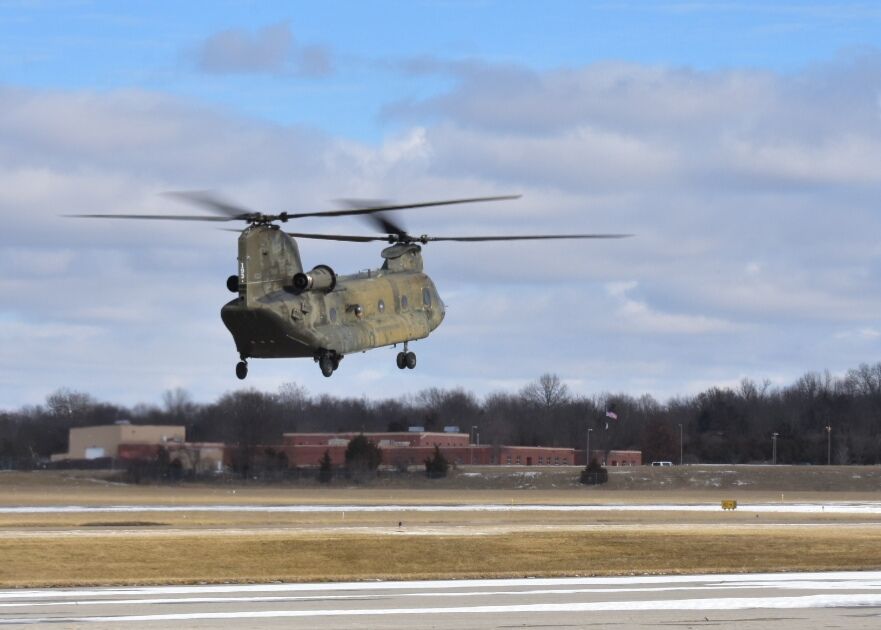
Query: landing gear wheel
pixel 326 365
pixel 410 360
pixel 401 360
pixel 242 370
pixel 328 361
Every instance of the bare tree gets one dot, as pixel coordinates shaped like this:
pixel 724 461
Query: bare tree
pixel 549 392
pixel 178 404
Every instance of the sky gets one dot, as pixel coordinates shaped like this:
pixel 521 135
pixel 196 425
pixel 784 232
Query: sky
pixel 739 141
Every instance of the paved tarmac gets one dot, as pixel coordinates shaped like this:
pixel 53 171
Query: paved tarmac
pixel 784 601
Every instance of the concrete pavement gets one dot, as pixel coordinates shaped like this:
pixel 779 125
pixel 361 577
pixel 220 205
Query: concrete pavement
pixel 784 601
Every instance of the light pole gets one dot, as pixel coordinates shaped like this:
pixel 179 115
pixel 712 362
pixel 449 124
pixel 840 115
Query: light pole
pixel 680 444
pixel 587 449
pixel 828 444
pixel 774 447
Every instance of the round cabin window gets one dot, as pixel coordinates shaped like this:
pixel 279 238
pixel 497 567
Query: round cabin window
pixel 380 306
pixel 426 296
pixel 333 314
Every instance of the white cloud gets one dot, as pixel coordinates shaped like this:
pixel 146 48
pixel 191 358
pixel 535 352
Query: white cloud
pixel 633 315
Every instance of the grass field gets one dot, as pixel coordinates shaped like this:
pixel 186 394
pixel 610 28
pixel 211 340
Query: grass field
pixel 189 546
pixel 127 559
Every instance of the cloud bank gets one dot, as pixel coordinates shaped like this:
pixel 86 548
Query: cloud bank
pixel 753 196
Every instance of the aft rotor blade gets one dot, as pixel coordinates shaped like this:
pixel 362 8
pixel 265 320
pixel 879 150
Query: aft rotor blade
pixel 339 237
pixel 525 237
pixel 161 217
pixel 404 206
pixel 385 224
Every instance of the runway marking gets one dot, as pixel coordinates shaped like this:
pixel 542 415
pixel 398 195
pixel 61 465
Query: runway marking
pixel 856 579
pixel 854 507
pixel 806 601
pixel 312 598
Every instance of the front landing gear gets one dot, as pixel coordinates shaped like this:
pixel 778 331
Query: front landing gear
pixel 242 369
pixel 328 361
pixel 406 359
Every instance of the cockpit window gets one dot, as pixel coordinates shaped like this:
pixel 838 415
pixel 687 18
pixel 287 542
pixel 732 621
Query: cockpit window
pixel 380 306
pixel 426 296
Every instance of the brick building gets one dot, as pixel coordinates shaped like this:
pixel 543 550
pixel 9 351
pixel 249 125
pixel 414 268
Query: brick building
pixel 413 448
pixel 104 440
pixel 611 458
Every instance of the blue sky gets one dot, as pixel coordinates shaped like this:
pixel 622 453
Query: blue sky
pixel 150 45
pixel 740 142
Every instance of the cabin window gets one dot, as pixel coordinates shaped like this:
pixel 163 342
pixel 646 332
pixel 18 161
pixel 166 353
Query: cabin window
pixel 426 296
pixel 380 306
pixel 404 302
pixel 332 314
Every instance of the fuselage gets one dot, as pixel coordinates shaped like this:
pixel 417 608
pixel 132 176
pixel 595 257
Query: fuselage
pixel 380 307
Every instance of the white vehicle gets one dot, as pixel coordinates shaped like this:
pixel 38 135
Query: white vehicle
pixel 662 463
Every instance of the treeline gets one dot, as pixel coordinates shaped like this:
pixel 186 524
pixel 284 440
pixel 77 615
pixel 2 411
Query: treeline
pixel 719 425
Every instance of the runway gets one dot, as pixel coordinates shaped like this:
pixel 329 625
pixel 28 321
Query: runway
pixel 817 507
pixel 784 601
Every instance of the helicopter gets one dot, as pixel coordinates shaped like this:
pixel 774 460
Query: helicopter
pixel 280 310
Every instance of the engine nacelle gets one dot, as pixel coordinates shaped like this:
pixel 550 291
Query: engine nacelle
pixel 321 278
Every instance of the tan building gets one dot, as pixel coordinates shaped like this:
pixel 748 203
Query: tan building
pixel 104 441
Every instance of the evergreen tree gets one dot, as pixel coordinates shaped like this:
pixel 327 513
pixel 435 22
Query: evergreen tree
pixel 362 456
pixel 325 469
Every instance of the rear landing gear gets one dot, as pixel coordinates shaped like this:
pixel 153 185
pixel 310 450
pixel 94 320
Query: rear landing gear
pixel 406 359
pixel 242 369
pixel 328 361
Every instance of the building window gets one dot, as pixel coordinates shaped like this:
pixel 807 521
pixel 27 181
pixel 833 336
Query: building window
pixel 509 459
pixel 557 460
pixel 540 460
pixel 518 459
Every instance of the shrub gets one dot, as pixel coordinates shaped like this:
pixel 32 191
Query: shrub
pixel 436 466
pixel 594 474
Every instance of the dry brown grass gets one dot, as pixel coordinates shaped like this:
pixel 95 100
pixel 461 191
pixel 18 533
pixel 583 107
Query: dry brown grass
pixel 176 547
pixel 125 559
pixel 93 488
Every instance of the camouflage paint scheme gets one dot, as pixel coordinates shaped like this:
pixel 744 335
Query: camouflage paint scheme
pixel 354 313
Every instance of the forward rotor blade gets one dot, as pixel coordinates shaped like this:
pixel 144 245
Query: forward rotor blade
pixel 211 202
pixel 382 208
pixel 525 237
pixel 162 217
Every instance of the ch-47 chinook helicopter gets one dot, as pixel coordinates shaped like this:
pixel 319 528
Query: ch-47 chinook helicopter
pixel 283 311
